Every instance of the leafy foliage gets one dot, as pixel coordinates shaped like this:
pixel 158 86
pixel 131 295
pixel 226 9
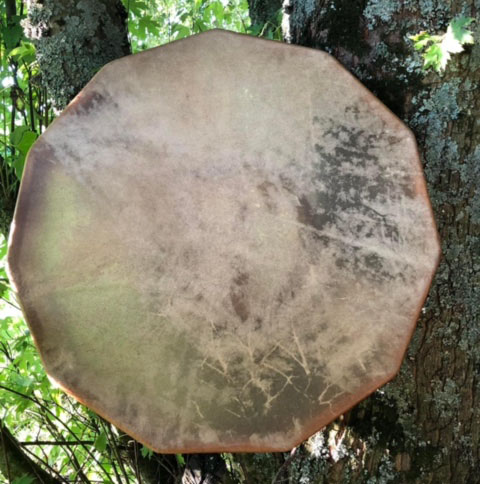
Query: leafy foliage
pixel 26 110
pixel 158 22
pixel 437 49
pixel 153 23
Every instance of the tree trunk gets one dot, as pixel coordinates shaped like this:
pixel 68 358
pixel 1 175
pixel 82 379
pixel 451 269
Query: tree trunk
pixel 424 426
pixel 263 11
pixel 15 463
pixel 74 39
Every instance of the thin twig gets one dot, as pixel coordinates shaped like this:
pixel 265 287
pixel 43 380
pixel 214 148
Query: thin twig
pixel 47 465
pixel 45 408
pixel 137 472
pixel 115 450
pixel 11 304
pixel 291 457
pixel 71 455
pixel 58 442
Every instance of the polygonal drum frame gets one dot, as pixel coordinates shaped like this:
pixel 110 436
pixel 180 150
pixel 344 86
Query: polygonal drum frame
pixel 223 243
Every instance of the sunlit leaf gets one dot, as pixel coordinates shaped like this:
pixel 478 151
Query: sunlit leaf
pixel 101 442
pixel 457 35
pixel 438 48
pixel 24 52
pixel 180 460
pixel 146 452
pixel 16 135
pixel 436 57
pixel 22 381
pixel 137 7
pixel 181 31
pixel 27 140
pixel 3 247
pixel 218 10
pixel 19 165
pixel 421 40
pixel 459 31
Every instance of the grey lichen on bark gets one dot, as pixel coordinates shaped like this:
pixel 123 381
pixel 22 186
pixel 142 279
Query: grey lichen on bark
pixel 74 39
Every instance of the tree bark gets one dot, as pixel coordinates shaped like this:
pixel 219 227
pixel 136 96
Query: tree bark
pixel 424 426
pixel 74 39
pixel 263 11
pixel 15 463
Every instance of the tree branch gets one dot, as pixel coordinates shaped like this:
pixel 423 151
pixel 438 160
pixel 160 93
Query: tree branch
pixel 157 468
pixel 57 442
pixel 14 463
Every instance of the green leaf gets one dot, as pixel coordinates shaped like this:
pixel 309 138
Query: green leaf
pixel 180 460
pixel 436 57
pixel 23 405
pixel 457 35
pixel 26 479
pixel 24 52
pixel 12 33
pixel 439 47
pixel 146 24
pixel 16 135
pixel 22 139
pixel 199 26
pixel 181 31
pixel 459 31
pixel 146 452
pixel 27 141
pixel 18 165
pixel 101 442
pixel 218 11
pixel 22 381
pixel 3 248
pixel 450 43
pixel 421 40
pixel 255 30
pixel 138 7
